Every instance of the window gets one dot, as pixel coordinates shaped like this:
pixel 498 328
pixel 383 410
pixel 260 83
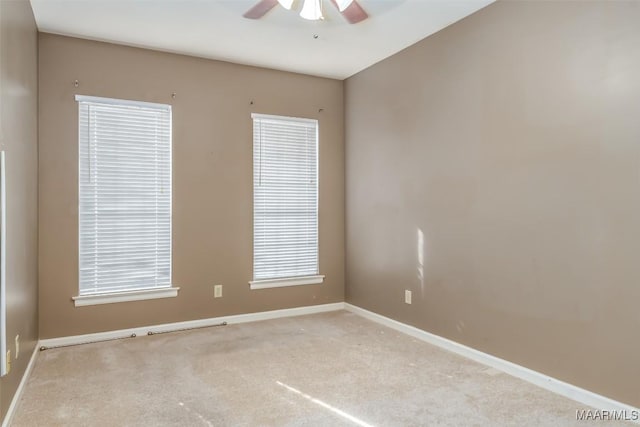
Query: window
pixel 124 201
pixel 285 201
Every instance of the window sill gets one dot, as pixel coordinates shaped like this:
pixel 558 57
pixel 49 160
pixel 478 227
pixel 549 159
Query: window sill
pixel 280 283
pixel 96 299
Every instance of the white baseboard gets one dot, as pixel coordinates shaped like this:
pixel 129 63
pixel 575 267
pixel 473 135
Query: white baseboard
pixel 541 380
pixel 168 327
pixel 16 397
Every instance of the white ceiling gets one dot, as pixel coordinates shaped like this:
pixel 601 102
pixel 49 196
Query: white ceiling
pixel 281 39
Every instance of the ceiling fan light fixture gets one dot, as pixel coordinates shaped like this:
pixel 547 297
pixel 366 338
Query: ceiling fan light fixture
pixel 287 4
pixel 312 10
pixel 343 4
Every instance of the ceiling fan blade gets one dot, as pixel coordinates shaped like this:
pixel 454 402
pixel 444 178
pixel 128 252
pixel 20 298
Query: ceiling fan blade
pixel 260 9
pixel 354 13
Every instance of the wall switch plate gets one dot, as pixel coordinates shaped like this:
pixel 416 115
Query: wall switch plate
pixel 217 291
pixel 17 345
pixel 407 297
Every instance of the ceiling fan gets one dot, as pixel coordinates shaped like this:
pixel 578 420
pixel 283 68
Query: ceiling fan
pixel 311 9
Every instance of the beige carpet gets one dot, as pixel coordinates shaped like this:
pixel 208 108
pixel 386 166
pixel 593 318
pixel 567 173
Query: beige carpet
pixel 328 369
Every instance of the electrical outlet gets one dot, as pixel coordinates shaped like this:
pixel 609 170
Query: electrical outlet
pixel 407 297
pixel 8 361
pixel 17 345
pixel 217 291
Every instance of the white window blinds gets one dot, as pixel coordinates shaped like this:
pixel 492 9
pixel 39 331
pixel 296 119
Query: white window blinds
pixel 124 195
pixel 285 197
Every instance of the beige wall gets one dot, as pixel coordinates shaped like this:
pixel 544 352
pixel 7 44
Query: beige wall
pixel 510 142
pixel 212 179
pixel 19 140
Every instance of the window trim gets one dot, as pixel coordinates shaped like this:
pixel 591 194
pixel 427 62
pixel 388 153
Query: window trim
pixel 283 118
pixel 289 281
pixel 124 296
pixel 119 102
pixel 168 291
pixel 295 280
